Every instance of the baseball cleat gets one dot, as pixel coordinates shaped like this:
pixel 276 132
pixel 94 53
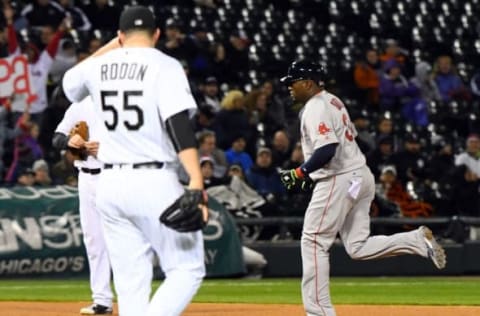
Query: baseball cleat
pixel 435 251
pixel 96 309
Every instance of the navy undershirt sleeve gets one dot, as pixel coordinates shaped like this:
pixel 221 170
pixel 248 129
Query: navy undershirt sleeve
pixel 320 157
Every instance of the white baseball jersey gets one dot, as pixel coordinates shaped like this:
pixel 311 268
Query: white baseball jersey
pixel 134 99
pixel 325 120
pixel 83 111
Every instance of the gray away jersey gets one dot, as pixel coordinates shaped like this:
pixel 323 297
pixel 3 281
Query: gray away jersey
pixel 325 120
pixel 134 90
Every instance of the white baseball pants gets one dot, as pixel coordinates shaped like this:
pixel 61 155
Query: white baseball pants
pixel 94 240
pixel 131 201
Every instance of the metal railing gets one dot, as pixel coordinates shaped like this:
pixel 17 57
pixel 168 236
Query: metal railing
pixel 455 222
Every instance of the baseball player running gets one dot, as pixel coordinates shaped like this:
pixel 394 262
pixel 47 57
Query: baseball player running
pixel 143 98
pixel 89 171
pixel 342 193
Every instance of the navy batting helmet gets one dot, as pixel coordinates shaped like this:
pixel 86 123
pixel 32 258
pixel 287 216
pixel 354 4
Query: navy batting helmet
pixel 303 70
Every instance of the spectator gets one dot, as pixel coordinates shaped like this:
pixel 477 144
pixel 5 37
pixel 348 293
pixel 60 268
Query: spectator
pixel 394 192
pixel 41 170
pixel 103 15
pixel 441 160
pixel 173 42
pixel 43 12
pixel 471 156
pixel 396 93
pixel 260 114
pixel 232 120
pixel 208 147
pixel 465 186
pixel 72 181
pixel 203 119
pixel 26 177
pixel 66 57
pixel 236 170
pixel 367 77
pixel 276 108
pixel 281 149
pixel 393 52
pixel 424 81
pixel 296 158
pixel 381 155
pixel 236 57
pixel 209 93
pixel 395 90
pixel 6 134
pixel 46 35
pixel 93 45
pixel 26 150
pixel 448 82
pixel 206 55
pixel 385 128
pixel 79 20
pixel 298 199
pixel 409 162
pixel 237 155
pixel 63 171
pixel 365 139
pixel 264 178
pixel 209 180
pixel 40 64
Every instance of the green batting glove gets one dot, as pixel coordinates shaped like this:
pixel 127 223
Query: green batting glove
pixel 291 177
pixel 307 184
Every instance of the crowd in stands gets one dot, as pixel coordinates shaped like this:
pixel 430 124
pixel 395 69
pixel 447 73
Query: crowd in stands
pixel 417 119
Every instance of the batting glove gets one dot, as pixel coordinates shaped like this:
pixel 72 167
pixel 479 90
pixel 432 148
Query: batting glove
pixel 289 178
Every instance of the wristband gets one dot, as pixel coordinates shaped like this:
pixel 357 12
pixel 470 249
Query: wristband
pixel 300 172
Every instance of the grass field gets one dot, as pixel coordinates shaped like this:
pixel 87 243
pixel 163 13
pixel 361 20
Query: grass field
pixel 392 290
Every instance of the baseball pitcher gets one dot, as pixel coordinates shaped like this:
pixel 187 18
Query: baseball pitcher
pixel 343 190
pixel 142 96
pixel 77 132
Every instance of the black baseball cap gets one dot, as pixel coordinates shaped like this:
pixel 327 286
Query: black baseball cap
pixel 303 70
pixel 137 17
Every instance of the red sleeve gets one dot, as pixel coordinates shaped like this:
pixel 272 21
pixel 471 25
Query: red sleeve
pixel 22 123
pixel 12 39
pixel 53 45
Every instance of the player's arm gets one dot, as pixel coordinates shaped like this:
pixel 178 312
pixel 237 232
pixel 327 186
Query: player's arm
pixel 61 139
pixel 325 143
pixel 74 83
pixel 74 80
pixel 320 157
pixel 181 133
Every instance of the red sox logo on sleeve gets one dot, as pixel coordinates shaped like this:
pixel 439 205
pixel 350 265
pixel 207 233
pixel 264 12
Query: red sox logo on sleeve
pixel 323 129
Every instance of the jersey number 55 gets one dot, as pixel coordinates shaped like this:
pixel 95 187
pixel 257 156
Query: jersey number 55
pixel 126 106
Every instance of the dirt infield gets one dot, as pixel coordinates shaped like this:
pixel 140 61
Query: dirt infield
pixel 202 309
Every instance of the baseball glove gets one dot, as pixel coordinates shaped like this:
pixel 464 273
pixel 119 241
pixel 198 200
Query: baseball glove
pixel 185 214
pixel 81 128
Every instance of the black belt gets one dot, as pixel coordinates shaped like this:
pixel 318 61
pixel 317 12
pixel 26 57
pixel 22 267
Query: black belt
pixel 140 165
pixel 91 171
